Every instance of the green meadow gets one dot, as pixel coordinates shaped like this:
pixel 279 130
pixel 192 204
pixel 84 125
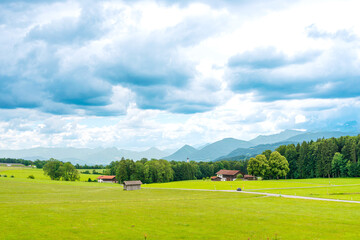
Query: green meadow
pixel 257 185
pixel 24 172
pixel 44 209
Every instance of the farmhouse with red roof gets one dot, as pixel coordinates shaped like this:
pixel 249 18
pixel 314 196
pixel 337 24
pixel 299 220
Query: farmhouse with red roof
pixel 226 175
pixel 107 179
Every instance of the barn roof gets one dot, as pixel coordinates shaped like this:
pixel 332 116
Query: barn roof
pixel 228 172
pixel 129 183
pixel 110 177
pixel 249 176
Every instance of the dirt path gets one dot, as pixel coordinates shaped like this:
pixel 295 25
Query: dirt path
pixel 265 194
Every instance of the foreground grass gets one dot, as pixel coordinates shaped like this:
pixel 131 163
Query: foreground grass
pixel 43 209
pixel 347 192
pixel 256 185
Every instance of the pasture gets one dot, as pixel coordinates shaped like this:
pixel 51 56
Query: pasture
pixel 24 172
pixel 334 188
pixel 257 185
pixel 45 209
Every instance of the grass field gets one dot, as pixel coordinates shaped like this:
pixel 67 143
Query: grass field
pixel 24 172
pixel 43 209
pixel 254 185
pixel 335 188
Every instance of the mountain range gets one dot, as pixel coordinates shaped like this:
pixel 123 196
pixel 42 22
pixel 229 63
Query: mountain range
pixel 227 148
pixel 230 148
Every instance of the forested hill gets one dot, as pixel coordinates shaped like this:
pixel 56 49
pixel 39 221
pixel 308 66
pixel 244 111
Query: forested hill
pixel 331 157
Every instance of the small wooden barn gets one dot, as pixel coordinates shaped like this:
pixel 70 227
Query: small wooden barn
pixel 249 177
pixel 215 178
pixel 132 185
pixel 107 179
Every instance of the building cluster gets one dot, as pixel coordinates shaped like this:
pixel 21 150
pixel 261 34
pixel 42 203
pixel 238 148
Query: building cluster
pixel 128 185
pixel 230 175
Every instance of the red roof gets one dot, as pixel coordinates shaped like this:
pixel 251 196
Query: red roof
pixel 214 177
pixel 228 172
pixel 111 177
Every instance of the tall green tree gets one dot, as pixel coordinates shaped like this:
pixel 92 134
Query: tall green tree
pixel 53 169
pixel 279 166
pixel 339 165
pixel 267 154
pixel 121 172
pixel 258 166
pixel 69 172
pixel 291 156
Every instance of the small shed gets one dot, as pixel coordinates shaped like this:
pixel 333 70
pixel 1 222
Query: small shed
pixel 107 179
pixel 132 185
pixel 215 178
pixel 249 177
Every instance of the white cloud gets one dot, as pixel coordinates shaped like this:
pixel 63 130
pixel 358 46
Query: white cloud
pixel 149 73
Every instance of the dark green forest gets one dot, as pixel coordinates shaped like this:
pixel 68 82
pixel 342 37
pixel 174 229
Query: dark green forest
pixel 333 157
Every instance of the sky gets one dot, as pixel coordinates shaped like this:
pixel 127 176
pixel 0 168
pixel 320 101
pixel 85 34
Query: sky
pixel 139 74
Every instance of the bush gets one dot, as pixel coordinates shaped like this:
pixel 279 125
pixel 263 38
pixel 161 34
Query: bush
pixel 4 175
pixel 31 177
pixel 12 176
pixel 239 176
pixel 86 172
pixel 89 180
pixel 95 180
pixel 204 179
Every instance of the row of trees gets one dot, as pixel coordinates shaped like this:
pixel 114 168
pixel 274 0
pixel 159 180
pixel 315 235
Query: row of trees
pixel 13 160
pixel 57 170
pixel 334 157
pixel 96 166
pixel 152 171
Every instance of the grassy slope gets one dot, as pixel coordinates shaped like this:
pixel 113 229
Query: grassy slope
pixel 247 185
pixel 24 172
pixel 43 209
pixel 351 192
pixel 301 187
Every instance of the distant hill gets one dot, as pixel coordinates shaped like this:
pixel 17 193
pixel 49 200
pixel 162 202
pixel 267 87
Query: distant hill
pixel 252 151
pixel 308 136
pixel 227 148
pixel 258 149
pixel 212 151
pixel 182 154
pixel 274 138
pixel 219 148
pixel 82 155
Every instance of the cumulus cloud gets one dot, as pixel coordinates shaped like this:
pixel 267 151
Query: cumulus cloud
pixel 125 73
pixel 78 56
pixel 342 34
pixel 272 76
pixel 269 58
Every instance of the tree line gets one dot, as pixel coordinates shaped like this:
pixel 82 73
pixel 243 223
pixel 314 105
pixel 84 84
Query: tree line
pixel 157 171
pixel 333 157
pixel 14 160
